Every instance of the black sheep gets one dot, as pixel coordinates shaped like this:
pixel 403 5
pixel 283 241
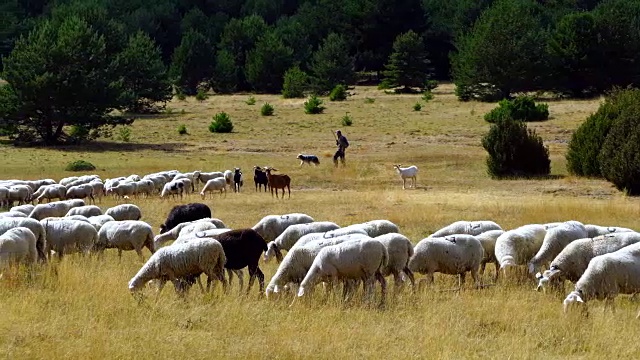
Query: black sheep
pixel 237 180
pixel 185 213
pixel 260 178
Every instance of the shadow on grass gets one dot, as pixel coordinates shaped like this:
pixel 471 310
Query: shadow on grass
pixel 530 177
pixel 105 146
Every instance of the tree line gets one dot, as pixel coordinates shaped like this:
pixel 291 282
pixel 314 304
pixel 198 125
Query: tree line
pixel 70 63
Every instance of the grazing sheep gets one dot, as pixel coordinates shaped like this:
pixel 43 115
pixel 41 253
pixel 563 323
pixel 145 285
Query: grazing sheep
pixel 467 227
pixel 124 212
pixel 81 192
pixel 518 246
pixel 407 173
pixel 49 192
pixel 351 260
pixel 68 236
pixel 453 255
pixel 125 235
pixel 217 184
pixel 19 193
pixel 488 241
pixel 98 221
pixel 17 245
pixel 145 187
pixel 293 233
pixel 400 250
pixel 187 185
pixel 298 260
pixel 185 213
pixel 276 182
pixel 574 259
pixel 196 226
pixel 260 178
pixel 205 177
pixel 555 240
pixel 122 189
pixel 25 209
pixel 54 209
pixel 349 230
pixel 237 180
pixel 378 227
pixel 271 226
pixel 86 211
pixel 13 214
pixel 243 248
pixel 597 230
pixel 98 189
pixel 176 232
pixel 172 188
pixel 34 225
pixel 607 276
pixel 187 260
pixel 228 176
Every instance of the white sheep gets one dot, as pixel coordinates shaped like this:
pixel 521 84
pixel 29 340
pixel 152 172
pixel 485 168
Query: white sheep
pixel 186 260
pixel 453 255
pixel 124 212
pixel 49 192
pixel 34 225
pixel 350 260
pixel 228 176
pixel 217 184
pixel 20 193
pixel 145 187
pixel 293 233
pixel 195 227
pixel 574 259
pixel 98 221
pixel 98 189
pixel 13 214
pixel 467 227
pixel 125 235
pixel 607 276
pixel 25 209
pixel 407 173
pixel 296 263
pixel 86 211
pixel 377 227
pixel 172 188
pixel 81 192
pixel 516 247
pixel 270 226
pixel 53 209
pixel 122 189
pixel 17 245
pixel 400 250
pixel 174 233
pixel 556 239
pixel 305 239
pixel 206 176
pixel 187 184
pixel 69 236
pixel 488 241
pixel 597 230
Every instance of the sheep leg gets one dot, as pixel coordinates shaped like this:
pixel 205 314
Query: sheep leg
pixel 161 285
pixel 383 287
pixel 200 284
pixel 138 251
pixel 412 278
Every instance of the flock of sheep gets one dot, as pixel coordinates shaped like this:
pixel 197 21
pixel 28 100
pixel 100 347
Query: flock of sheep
pixel 602 261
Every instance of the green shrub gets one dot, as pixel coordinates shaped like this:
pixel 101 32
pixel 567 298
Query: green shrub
pixel 384 85
pixel 515 151
pixel 339 93
pixel 266 110
pixel 80 165
pixel 221 123
pixel 313 105
pixel 124 133
pixel 78 133
pixel 430 85
pixel 295 83
pixel 180 95
pixel 347 120
pixel 521 108
pixel 201 95
pixel 251 100
pixel 182 129
pixel 369 100
pixel 417 107
pixel 427 96
pixel 587 141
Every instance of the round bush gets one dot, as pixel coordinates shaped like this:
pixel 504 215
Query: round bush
pixel 266 110
pixel 182 129
pixel 620 155
pixel 521 108
pixel 313 105
pixel 339 93
pixel 588 140
pixel 221 123
pixel 515 151
pixel 295 83
pixel 80 165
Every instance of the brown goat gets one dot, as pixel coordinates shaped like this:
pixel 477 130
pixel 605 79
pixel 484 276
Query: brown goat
pixel 278 182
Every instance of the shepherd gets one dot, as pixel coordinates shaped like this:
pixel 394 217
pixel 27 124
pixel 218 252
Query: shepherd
pixel 342 144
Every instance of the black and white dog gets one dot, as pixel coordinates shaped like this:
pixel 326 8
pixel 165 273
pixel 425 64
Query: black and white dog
pixel 308 159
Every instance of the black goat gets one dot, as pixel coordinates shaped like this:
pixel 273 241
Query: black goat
pixel 237 180
pixel 260 178
pixel 184 213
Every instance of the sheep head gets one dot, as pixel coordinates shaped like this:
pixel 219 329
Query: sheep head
pixel 574 297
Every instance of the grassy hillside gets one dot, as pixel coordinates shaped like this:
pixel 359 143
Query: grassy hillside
pixel 81 307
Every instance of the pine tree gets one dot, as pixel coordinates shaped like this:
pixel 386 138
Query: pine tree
pixel 408 65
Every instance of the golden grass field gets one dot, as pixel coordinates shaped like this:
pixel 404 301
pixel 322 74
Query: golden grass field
pixel 81 307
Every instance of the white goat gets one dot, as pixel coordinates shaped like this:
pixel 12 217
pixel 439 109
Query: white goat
pixel 407 173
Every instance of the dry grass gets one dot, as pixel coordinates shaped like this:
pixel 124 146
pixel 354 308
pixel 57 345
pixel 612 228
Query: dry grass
pixel 81 308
